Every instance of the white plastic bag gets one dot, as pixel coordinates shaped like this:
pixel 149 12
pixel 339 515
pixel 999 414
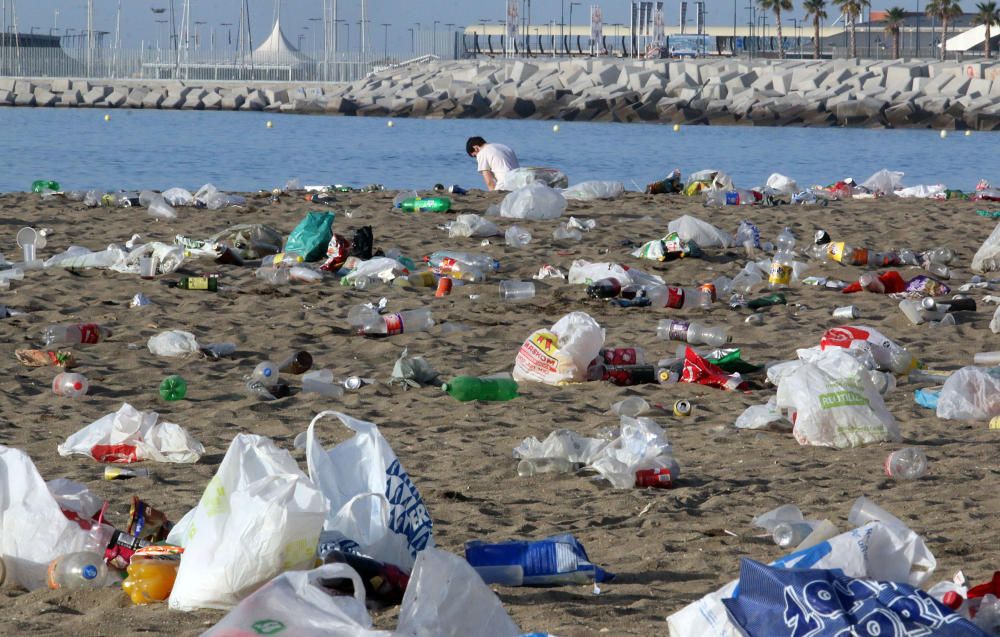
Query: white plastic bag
pixel 835 403
pixel 971 393
pixel 130 435
pixel 561 354
pixel 178 197
pixel 882 550
pixel 995 321
pixel 173 343
pixel 585 272
pixel 986 259
pixel 781 184
pixel 445 598
pixel 382 268
pixel 33 529
pixel 706 235
pixel 593 190
pixel 884 182
pixel 375 509
pixel 470 225
pixel 79 257
pixel 534 201
pixel 642 444
pixel 521 177
pixel 258 516
pixel 160 209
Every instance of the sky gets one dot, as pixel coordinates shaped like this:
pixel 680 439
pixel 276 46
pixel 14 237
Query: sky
pixel 139 22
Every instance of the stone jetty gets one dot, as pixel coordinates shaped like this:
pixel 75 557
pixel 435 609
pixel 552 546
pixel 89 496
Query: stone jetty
pixel 842 92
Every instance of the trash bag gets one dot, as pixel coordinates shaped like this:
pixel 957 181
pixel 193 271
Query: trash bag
pixel 521 177
pixel 704 234
pixel 830 603
pixel 986 259
pixel 641 444
pixel 382 268
pixel 173 343
pixel 559 559
pixel 33 529
pixel 884 182
pixel 375 509
pixel 835 403
pixel 178 197
pixel 258 516
pixel 253 240
pixel 594 190
pixel 534 201
pixel 585 272
pixel 311 237
pixel 971 393
pixel 130 435
pixel 781 184
pixel 412 371
pixel 562 354
pixel 363 243
pixel 922 191
pixel 78 257
pixel 445 598
pixel 470 225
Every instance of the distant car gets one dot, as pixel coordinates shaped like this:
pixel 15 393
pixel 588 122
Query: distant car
pixel 683 53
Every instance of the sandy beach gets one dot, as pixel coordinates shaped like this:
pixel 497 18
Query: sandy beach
pixel 667 547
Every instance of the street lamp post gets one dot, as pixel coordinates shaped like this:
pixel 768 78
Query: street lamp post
pixel 229 32
pixel 562 23
pixel 412 40
pixel 385 40
pixel 197 33
pixel 314 32
pixel 571 5
pixel 434 39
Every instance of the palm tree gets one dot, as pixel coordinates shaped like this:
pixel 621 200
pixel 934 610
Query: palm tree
pixel 816 9
pixel 777 6
pixel 945 10
pixel 893 21
pixel 853 9
pixel 986 13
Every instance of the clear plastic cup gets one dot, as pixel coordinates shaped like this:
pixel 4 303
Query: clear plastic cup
pixel 147 267
pixel 516 290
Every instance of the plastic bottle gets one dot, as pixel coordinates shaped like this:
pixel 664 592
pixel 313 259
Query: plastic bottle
pixel 785 240
pixel 417 279
pixel 780 276
pixel 267 373
pixel 368 322
pixel 321 381
pixel 869 281
pixel 517 237
pixel 209 283
pixel 941 255
pixel 533 466
pixel 78 333
pixel 297 363
pixel 694 333
pixel 791 534
pixel 610 288
pixel 465 388
pixel 173 387
pixel 70 385
pixel 939 270
pixel 426 204
pixel 78 570
pixel 475 260
pixel 909 463
pixel 674 297
pixel 846 254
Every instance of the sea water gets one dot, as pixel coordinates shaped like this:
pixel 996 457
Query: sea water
pixel 238 151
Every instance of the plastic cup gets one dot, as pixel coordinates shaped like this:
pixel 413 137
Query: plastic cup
pixel 147 267
pixel 516 290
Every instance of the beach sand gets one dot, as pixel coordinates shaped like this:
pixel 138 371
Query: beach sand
pixel 667 547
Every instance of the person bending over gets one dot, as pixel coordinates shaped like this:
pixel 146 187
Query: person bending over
pixel 493 161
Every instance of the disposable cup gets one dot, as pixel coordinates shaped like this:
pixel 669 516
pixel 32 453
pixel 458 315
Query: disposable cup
pixel 147 267
pixel 516 290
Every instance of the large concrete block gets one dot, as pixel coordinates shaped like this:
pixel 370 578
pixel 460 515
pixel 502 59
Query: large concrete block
pixel 45 97
pixel 212 101
pixel 135 97
pixel 232 101
pixel 152 99
pixel 60 85
pixel 81 85
pixel 70 98
pixel 96 95
pixel 6 97
pixel 116 98
pixel 23 87
pixel 172 101
pixel 521 71
pixel 275 96
pixel 978 88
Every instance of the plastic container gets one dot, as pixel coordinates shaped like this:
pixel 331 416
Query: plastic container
pixel 610 288
pixel 173 387
pixel 516 290
pixel 785 240
pixel 791 534
pixel 909 463
pixel 533 466
pixel 321 381
pixel 368 322
pixel 675 297
pixel 466 388
pixel 76 571
pixel 266 373
pixel 694 333
pixel 987 358
pixel 147 267
pixel 426 204
pixel 151 574
pixel 517 237
pixel 631 407
pixel 474 260
pixel 80 333
pixel 418 279
pixel 70 385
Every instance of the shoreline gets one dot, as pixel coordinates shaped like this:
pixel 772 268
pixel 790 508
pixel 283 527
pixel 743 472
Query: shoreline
pixel 844 92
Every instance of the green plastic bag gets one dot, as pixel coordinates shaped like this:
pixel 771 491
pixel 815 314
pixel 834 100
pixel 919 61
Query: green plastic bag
pixel 311 237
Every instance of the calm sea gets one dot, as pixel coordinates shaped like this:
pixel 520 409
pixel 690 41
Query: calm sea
pixel 238 152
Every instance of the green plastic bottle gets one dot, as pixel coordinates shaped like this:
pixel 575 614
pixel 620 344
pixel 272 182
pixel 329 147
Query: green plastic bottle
pixel 173 388
pixel 41 185
pixel 426 204
pixel 467 388
pixel 765 301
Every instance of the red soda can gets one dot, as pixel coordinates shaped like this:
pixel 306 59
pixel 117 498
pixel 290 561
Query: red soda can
pixel 656 478
pixel 444 287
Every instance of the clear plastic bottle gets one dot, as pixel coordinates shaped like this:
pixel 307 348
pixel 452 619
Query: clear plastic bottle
pixel 782 266
pixel 694 333
pixel 78 333
pixel 908 463
pixel 475 260
pixel 266 373
pixel 517 237
pixel 70 385
pixel 939 270
pixel 869 281
pixel 941 255
pixel 322 382
pixel 534 466
pixel 785 240
pixel 674 297
pixel 368 322
pixel 78 570
pixel 791 534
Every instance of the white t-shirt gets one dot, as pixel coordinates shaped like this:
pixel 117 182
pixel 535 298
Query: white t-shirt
pixel 498 159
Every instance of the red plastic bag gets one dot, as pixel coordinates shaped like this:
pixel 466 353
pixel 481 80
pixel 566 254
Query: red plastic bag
pixel 700 371
pixel 891 280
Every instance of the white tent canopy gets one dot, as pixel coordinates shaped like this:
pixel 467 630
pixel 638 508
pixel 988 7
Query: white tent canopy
pixel 276 49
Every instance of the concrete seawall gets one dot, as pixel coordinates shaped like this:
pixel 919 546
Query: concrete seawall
pixel 843 92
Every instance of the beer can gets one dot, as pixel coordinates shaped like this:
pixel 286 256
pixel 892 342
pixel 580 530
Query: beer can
pixel 353 383
pixel 995 422
pixel 443 287
pixel 682 408
pixel 656 478
pixel 708 288
pixel 846 312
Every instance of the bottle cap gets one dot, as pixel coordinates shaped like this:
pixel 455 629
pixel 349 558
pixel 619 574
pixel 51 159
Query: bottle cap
pixel 353 382
pixel 821 237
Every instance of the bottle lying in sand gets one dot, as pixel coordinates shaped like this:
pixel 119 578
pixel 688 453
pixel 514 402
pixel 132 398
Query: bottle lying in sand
pixel 692 332
pixel 70 385
pixel 534 466
pixel 84 333
pixel 906 464
pixel 367 321
pixel 208 283
pixel 78 570
pixel 426 204
pixel 475 260
pixel 297 363
pixel 467 388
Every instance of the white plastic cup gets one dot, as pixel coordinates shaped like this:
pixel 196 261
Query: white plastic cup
pixel 147 267
pixel 986 358
pixel 516 290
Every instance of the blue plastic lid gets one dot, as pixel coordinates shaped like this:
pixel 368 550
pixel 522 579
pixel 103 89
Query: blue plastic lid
pixel 89 571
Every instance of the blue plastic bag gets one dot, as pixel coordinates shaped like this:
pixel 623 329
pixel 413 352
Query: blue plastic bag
pixel 775 602
pixel 559 559
pixel 927 397
pixel 312 236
